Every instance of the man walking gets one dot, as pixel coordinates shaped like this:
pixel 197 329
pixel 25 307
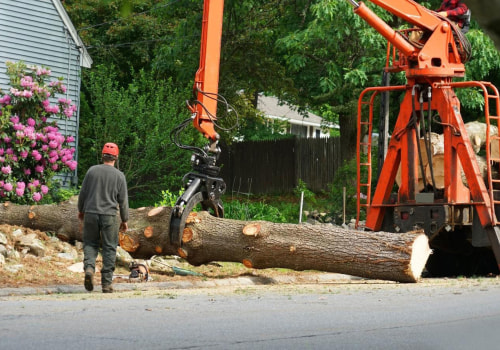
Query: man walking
pixel 103 191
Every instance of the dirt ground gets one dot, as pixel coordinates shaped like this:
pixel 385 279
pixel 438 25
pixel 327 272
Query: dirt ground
pixel 61 264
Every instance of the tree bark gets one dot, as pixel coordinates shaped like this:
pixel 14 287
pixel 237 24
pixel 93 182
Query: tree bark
pixel 256 244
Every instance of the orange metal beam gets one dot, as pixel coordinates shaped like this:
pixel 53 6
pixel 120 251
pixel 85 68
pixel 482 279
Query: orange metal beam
pixel 206 83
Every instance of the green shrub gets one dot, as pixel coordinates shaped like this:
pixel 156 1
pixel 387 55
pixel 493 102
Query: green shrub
pixel 168 198
pixel 251 211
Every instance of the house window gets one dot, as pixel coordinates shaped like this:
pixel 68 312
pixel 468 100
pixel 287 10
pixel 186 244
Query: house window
pixel 318 133
pixel 299 130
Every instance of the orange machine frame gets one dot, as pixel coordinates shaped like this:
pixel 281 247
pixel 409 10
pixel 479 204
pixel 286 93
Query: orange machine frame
pixel 432 64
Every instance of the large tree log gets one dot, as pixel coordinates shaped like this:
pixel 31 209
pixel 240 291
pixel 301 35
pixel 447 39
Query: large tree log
pixel 477 134
pixel 436 146
pixel 438 170
pixel 379 255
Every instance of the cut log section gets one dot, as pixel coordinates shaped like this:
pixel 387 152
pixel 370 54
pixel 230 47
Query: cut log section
pixel 477 134
pixel 438 169
pixel 436 147
pixel 256 244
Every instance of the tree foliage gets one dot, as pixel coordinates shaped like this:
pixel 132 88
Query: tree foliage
pixel 139 118
pixel 316 54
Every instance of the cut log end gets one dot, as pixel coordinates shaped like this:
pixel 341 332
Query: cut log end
pixel 193 218
pixel 247 263
pixel 182 253
pixel 148 232
pixel 31 215
pixel 155 211
pixel 420 254
pixel 128 243
pixel 251 230
pixel 187 235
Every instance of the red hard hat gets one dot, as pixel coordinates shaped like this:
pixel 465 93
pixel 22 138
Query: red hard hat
pixel 110 148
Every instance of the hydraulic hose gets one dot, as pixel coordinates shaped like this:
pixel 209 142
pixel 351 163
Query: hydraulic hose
pixel 417 136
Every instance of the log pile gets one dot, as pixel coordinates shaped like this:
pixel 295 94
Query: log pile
pixel 256 244
pixel 476 132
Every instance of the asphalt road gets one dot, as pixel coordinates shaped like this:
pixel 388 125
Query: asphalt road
pixel 438 314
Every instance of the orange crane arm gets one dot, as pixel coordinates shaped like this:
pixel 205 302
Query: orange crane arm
pixel 411 12
pixel 206 82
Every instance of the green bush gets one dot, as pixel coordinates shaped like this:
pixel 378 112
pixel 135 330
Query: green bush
pixel 258 210
pixel 138 118
pixel 168 198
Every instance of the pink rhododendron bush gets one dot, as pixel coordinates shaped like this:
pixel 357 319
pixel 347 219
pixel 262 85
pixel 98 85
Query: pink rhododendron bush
pixel 32 148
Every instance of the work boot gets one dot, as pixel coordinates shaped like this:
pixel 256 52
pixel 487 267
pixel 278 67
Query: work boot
pixel 107 288
pixel 89 279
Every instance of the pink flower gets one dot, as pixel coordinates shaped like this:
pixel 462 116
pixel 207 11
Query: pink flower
pixel 39 168
pixel 51 109
pixel 26 93
pixel 27 171
pixel 6 170
pixel 43 71
pixel 36 155
pixel 8 186
pixel 21 185
pixel 70 139
pixel 72 165
pixel 14 119
pixel 23 154
pixel 20 191
pixel 18 126
pixel 27 81
pixel 31 122
pixel 44 189
pixel 37 196
pixel 5 100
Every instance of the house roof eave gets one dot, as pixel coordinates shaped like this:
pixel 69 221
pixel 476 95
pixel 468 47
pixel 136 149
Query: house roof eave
pixel 302 122
pixel 85 59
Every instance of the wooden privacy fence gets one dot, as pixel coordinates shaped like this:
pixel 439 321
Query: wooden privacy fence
pixel 276 166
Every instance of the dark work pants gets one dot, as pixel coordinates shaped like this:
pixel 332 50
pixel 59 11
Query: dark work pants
pixel 100 230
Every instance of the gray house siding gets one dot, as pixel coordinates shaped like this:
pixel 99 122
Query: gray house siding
pixel 33 31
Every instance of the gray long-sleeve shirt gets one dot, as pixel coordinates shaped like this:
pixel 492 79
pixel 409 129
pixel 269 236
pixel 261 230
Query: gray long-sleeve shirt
pixel 104 188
